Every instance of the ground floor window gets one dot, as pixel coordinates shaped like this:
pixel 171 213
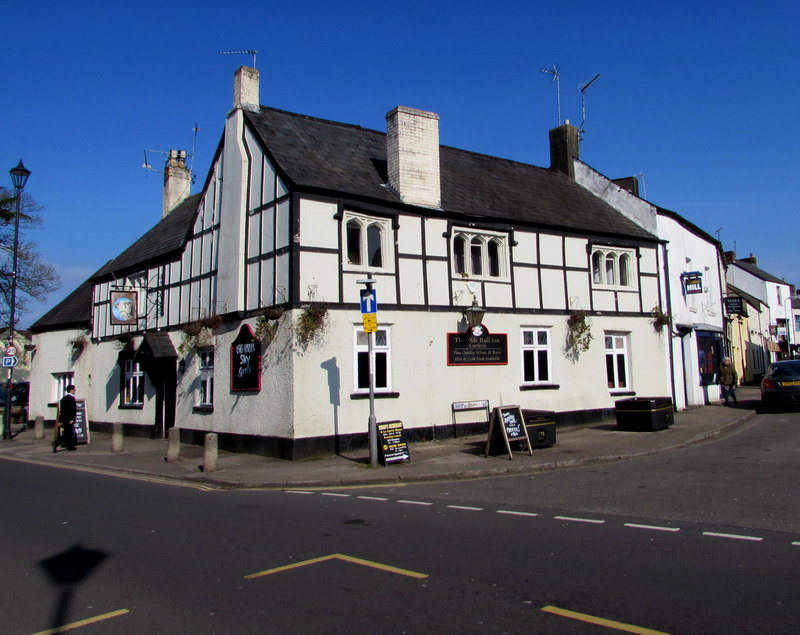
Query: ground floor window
pixel 132 391
pixel 709 355
pixel 617 361
pixel 60 383
pixel 381 359
pixel 536 356
pixel 206 360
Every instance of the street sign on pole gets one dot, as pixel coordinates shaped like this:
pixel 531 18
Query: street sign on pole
pixel 369 315
pixel 11 350
pixel 9 361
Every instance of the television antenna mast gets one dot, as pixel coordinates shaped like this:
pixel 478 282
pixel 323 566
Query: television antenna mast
pixel 557 79
pixel 249 52
pixel 583 89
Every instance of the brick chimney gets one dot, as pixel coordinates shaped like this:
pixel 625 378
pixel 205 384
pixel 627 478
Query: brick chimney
pixel 246 89
pixel 730 257
pixel 177 181
pixel 564 148
pixel 412 155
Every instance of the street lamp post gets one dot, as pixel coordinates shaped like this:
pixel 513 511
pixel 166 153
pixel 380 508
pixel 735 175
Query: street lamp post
pixel 19 177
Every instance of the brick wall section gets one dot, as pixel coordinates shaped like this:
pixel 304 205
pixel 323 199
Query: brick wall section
pixel 245 88
pixel 412 154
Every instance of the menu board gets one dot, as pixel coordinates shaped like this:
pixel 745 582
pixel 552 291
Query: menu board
pixel 246 361
pixel 392 444
pixel 81 423
pixel 507 425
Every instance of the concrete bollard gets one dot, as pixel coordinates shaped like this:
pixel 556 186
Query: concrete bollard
pixel 211 452
pixel 116 438
pixel 38 428
pixel 173 445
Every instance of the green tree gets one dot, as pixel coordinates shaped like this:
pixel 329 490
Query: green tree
pixel 35 278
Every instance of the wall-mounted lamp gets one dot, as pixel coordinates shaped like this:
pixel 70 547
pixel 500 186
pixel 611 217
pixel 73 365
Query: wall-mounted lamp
pixel 182 365
pixel 474 315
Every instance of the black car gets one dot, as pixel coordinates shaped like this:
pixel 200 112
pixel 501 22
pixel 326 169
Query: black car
pixel 781 384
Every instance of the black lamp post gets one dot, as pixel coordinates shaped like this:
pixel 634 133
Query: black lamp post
pixel 19 177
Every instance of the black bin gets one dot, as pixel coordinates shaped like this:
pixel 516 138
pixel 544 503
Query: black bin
pixel 639 414
pixel 541 427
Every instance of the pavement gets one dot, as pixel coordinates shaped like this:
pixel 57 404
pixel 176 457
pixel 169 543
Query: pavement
pixel 455 458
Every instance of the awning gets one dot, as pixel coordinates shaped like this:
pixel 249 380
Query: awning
pixel 155 346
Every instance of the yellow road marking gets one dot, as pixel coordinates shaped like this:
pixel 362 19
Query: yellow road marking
pixel 591 619
pixel 86 622
pixel 339 556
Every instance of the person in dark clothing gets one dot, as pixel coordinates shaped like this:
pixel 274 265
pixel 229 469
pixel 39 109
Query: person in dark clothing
pixel 728 379
pixel 67 410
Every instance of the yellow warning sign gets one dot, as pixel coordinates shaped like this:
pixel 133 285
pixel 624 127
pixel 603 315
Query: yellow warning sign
pixel 370 321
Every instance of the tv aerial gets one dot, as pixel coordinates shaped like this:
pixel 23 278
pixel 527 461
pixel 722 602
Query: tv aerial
pixel 557 79
pixel 249 52
pixel 184 155
pixel 583 89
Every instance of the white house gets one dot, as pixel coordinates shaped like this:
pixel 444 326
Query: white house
pixel 240 313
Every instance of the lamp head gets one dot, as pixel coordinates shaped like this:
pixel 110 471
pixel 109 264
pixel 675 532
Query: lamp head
pixel 19 175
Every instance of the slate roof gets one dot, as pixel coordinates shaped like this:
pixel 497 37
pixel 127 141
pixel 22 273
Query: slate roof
pixel 759 273
pixel 74 311
pixel 343 159
pixel 167 236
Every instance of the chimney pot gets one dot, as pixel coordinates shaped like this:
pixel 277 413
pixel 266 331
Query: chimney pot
pixel 412 156
pixel 177 181
pixel 564 149
pixel 246 89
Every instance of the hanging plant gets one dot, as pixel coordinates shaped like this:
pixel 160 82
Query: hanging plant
pixel 198 331
pixel 266 328
pixel 579 334
pixel 660 319
pixel 311 322
pixel 78 344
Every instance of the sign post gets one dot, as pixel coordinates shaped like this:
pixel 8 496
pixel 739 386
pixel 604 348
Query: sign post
pixel 369 316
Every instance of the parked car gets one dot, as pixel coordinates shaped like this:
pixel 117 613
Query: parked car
pixel 781 384
pixel 19 400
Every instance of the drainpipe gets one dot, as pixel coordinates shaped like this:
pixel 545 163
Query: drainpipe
pixel 669 336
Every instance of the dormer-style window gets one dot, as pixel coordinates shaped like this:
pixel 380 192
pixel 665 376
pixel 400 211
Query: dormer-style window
pixel 367 242
pixel 479 255
pixel 612 268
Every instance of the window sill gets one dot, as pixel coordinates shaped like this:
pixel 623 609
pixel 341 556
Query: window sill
pixel 540 387
pixel 378 395
pixel 131 406
pixel 204 409
pixel 623 393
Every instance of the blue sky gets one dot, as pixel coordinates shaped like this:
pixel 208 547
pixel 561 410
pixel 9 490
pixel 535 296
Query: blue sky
pixel 700 98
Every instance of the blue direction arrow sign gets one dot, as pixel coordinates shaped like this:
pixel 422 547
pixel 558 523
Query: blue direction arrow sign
pixel 9 361
pixel 369 301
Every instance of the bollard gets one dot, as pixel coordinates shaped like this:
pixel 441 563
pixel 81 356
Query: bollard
pixel 38 428
pixel 211 451
pixel 173 445
pixel 116 438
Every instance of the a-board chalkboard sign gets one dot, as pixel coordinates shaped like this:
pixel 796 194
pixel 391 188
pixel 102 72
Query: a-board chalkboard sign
pixel 392 444
pixel 507 424
pixel 246 361
pixel 81 424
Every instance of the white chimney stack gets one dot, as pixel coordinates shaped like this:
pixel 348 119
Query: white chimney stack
pixel 412 155
pixel 245 89
pixel 177 181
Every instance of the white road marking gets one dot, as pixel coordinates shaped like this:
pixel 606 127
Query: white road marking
pixel 513 513
pixel 653 527
pixel 593 521
pixel 335 494
pixel 732 536
pixel 465 508
pixel 373 498
pixel 414 502
pixel 297 491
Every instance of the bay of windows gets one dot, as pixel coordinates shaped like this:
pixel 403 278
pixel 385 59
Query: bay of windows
pixel 367 242
pixel 611 267
pixel 479 255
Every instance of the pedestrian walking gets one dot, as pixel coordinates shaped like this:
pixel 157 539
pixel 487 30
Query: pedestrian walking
pixel 728 379
pixel 67 411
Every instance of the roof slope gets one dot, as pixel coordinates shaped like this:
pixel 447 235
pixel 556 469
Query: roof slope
pixel 349 160
pixel 757 272
pixel 168 235
pixel 74 311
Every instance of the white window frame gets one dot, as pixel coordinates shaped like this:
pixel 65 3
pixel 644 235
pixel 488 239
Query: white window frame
pixel 205 363
pixel 534 350
pixel 60 383
pixel 477 243
pixel 133 382
pixel 382 348
pixel 614 265
pixel 365 224
pixel 616 349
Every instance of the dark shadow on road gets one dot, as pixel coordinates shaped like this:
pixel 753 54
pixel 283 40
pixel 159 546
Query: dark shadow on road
pixel 66 570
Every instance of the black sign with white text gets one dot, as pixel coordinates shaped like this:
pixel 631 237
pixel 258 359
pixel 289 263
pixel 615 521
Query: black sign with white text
pixel 246 361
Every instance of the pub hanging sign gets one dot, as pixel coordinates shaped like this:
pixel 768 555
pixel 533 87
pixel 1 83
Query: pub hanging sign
pixel 123 307
pixel 246 362
pixel 734 305
pixel 692 282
